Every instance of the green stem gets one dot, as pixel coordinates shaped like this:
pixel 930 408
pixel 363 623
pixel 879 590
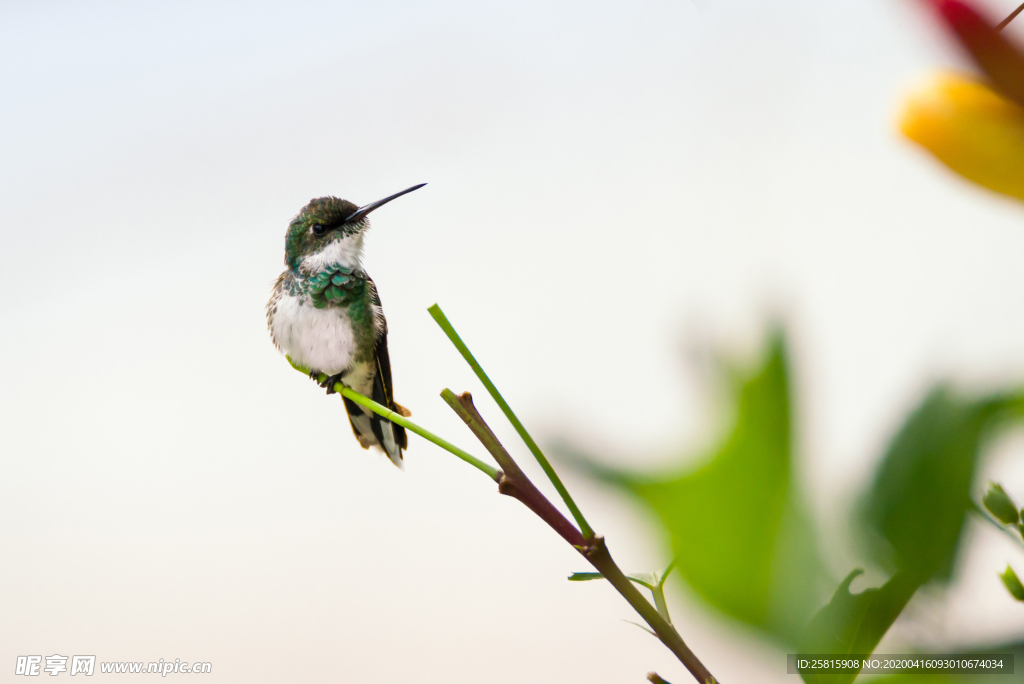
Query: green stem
pixel 658 592
pixel 664 575
pixel 399 419
pixel 442 320
pixel 660 603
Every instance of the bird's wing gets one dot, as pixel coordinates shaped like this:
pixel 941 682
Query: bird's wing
pixel 391 437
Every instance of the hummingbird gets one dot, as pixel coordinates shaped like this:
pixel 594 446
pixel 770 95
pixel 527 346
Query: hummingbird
pixel 325 314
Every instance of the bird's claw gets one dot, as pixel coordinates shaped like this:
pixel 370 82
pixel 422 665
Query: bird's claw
pixel 330 382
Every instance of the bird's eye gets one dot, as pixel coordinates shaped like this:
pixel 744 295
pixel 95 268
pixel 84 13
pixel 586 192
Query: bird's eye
pixel 319 229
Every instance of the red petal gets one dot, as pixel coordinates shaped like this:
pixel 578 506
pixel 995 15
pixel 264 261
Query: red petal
pixel 996 56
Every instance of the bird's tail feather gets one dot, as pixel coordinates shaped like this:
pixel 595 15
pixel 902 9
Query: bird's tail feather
pixel 372 430
pixel 391 437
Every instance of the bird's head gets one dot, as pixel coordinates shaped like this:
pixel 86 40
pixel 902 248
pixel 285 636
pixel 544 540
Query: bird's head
pixel 330 230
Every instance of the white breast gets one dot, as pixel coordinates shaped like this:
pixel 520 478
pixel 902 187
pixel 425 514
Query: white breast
pixel 319 339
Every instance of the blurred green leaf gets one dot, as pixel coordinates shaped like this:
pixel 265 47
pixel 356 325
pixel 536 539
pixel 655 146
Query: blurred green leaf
pixel 999 504
pixel 855 623
pixel 921 491
pixel 917 505
pixel 1012 583
pixel 736 528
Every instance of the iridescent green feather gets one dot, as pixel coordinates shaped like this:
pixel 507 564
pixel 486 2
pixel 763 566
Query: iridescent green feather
pixel 336 285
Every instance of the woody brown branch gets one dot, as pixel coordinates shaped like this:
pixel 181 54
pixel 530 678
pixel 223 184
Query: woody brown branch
pixel 516 484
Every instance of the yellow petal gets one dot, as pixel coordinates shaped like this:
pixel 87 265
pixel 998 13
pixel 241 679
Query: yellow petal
pixel 971 129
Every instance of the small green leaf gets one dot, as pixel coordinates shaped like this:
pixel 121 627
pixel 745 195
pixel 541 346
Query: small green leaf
pixel 1000 505
pixel 1012 583
pixel 645 579
pixel 921 492
pixel 855 623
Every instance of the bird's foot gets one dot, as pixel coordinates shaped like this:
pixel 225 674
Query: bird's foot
pixel 330 382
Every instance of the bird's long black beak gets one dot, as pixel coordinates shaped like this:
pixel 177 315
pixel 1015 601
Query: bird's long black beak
pixel 367 208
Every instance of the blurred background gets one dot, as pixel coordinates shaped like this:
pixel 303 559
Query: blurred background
pixel 611 187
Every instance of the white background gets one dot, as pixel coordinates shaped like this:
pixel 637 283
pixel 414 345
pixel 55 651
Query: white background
pixel 610 184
